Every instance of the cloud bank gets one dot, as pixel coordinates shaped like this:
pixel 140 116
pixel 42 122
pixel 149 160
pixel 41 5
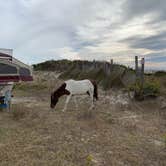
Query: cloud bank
pixel 40 30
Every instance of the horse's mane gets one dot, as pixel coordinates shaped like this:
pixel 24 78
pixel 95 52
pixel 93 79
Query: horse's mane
pixel 61 90
pixel 63 86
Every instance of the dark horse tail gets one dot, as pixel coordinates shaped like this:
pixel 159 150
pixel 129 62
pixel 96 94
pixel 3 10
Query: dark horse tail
pixel 95 94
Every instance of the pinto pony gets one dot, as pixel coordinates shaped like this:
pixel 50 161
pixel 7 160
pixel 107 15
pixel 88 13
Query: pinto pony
pixel 72 88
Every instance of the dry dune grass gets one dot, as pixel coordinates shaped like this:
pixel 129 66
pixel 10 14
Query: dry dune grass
pixel 117 132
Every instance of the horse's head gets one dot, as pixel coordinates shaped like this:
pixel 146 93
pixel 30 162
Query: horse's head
pixel 54 100
pixel 57 94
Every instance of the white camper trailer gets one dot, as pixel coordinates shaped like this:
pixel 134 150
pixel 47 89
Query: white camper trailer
pixel 11 70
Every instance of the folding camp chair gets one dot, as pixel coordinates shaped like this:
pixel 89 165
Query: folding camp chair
pixel 2 102
pixel 7 99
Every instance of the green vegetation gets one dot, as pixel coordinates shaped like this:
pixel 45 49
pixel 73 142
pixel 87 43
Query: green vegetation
pixel 119 76
pixel 29 86
pixel 151 88
pixel 160 73
pixel 3 133
pixel 85 69
pixel 113 79
pixel 106 81
pixel 110 118
pixel 52 65
pixel 163 138
pixel 89 160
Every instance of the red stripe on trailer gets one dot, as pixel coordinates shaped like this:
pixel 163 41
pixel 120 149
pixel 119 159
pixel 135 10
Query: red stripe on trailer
pixel 9 78
pixel 15 78
pixel 26 78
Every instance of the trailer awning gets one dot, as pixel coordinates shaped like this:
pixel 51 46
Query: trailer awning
pixel 12 70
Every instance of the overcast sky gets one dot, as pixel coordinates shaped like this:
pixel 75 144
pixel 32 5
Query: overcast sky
pixel 40 30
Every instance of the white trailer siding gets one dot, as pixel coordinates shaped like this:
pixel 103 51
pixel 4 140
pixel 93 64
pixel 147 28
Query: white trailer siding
pixel 7 51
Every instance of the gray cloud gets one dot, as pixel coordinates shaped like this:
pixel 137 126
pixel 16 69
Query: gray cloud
pixel 135 8
pixel 38 30
pixel 155 42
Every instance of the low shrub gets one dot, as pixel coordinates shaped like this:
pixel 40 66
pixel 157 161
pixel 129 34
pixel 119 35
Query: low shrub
pixel 110 118
pixel 160 73
pixel 151 88
pixel 89 160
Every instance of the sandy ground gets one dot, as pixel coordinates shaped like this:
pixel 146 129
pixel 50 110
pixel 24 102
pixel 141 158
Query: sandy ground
pixel 117 132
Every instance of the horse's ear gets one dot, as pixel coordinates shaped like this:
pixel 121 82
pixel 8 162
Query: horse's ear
pixel 64 85
pixel 67 92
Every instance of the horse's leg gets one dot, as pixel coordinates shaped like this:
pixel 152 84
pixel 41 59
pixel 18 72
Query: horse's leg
pixel 66 103
pixel 76 104
pixel 92 100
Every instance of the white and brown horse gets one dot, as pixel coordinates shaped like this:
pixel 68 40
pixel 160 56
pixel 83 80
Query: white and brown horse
pixel 72 88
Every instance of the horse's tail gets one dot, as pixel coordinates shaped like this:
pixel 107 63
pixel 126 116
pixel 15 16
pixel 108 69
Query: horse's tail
pixel 95 94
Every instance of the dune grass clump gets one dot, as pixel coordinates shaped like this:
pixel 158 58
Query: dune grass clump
pixel 18 112
pixel 164 138
pixel 105 80
pixel 89 160
pixel 110 118
pixel 29 86
pixel 151 88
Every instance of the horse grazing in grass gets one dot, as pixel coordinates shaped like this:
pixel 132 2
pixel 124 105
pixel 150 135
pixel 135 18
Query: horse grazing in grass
pixel 73 88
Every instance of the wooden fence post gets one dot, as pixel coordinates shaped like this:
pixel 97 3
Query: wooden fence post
pixel 107 68
pixel 136 91
pixel 111 61
pixel 82 65
pixel 111 65
pixel 136 66
pixel 142 73
pixel 104 65
pixel 139 84
pixel 94 64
